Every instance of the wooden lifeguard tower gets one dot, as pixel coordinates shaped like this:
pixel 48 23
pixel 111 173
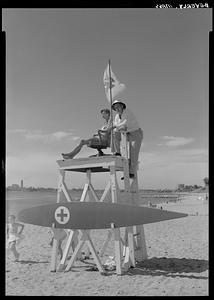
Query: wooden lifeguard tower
pixel 129 249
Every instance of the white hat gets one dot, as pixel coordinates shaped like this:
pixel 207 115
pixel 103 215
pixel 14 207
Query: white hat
pixel 120 102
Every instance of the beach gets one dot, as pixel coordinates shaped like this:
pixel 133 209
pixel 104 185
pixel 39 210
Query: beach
pixel 177 263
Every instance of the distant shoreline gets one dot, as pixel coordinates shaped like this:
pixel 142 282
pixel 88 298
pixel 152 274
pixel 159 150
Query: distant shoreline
pixel 159 191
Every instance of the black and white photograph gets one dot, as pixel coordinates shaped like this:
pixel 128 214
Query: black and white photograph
pixel 107 161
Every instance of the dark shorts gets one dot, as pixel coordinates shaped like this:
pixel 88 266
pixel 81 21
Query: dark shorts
pixel 96 141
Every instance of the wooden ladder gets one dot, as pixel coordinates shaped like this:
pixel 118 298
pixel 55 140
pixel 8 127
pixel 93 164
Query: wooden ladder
pixel 132 190
pixel 134 242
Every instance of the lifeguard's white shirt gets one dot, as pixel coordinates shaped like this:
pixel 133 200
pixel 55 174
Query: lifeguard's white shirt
pixel 128 119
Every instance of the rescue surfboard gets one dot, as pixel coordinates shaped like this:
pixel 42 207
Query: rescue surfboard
pixel 93 215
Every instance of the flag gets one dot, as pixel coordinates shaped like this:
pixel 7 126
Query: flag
pixel 116 86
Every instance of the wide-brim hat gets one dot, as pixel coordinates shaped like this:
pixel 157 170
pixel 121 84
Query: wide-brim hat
pixel 118 101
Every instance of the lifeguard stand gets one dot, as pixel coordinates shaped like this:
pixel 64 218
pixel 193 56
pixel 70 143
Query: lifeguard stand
pixel 133 244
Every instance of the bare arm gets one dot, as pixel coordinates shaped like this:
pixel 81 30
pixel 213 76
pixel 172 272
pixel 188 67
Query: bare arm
pixel 22 227
pixel 122 127
pixel 106 130
pixel 121 123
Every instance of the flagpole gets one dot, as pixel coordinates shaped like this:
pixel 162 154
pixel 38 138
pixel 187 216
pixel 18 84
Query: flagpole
pixel 110 95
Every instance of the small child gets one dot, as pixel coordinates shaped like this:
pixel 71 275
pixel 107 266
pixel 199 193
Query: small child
pixel 14 237
pixel 59 235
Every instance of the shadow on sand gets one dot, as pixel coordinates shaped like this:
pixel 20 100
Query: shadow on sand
pixel 159 266
pixel 170 267
pixel 155 266
pixel 30 262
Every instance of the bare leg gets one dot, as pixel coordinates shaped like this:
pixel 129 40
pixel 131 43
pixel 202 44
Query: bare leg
pixel 14 251
pixel 60 249
pixel 51 242
pixel 76 150
pixel 71 154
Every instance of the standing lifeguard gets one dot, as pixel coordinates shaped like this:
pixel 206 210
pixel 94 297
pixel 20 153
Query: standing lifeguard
pixel 126 121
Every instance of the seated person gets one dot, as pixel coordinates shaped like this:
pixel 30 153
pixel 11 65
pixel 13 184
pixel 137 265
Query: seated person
pixel 102 138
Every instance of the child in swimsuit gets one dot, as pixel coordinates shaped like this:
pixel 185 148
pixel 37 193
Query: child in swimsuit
pixel 14 235
pixel 59 235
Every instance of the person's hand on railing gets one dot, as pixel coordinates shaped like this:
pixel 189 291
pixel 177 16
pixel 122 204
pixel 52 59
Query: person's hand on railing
pixel 123 128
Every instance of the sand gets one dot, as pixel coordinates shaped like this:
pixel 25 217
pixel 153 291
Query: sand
pixel 177 263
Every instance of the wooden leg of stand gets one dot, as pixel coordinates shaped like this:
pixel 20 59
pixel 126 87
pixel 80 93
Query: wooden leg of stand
pixel 106 243
pixel 66 251
pixel 131 245
pixel 54 256
pixel 94 253
pixel 75 254
pixel 141 252
pixel 117 246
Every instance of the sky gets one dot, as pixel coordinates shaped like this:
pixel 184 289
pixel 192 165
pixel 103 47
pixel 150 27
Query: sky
pixel 55 60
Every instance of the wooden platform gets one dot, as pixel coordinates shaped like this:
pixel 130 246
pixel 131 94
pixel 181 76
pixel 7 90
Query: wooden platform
pixel 95 164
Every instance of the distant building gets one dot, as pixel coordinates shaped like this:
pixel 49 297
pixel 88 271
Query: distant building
pixel 22 185
pixel 181 187
pixel 14 185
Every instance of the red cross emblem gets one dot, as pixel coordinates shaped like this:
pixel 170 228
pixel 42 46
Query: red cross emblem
pixel 62 215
